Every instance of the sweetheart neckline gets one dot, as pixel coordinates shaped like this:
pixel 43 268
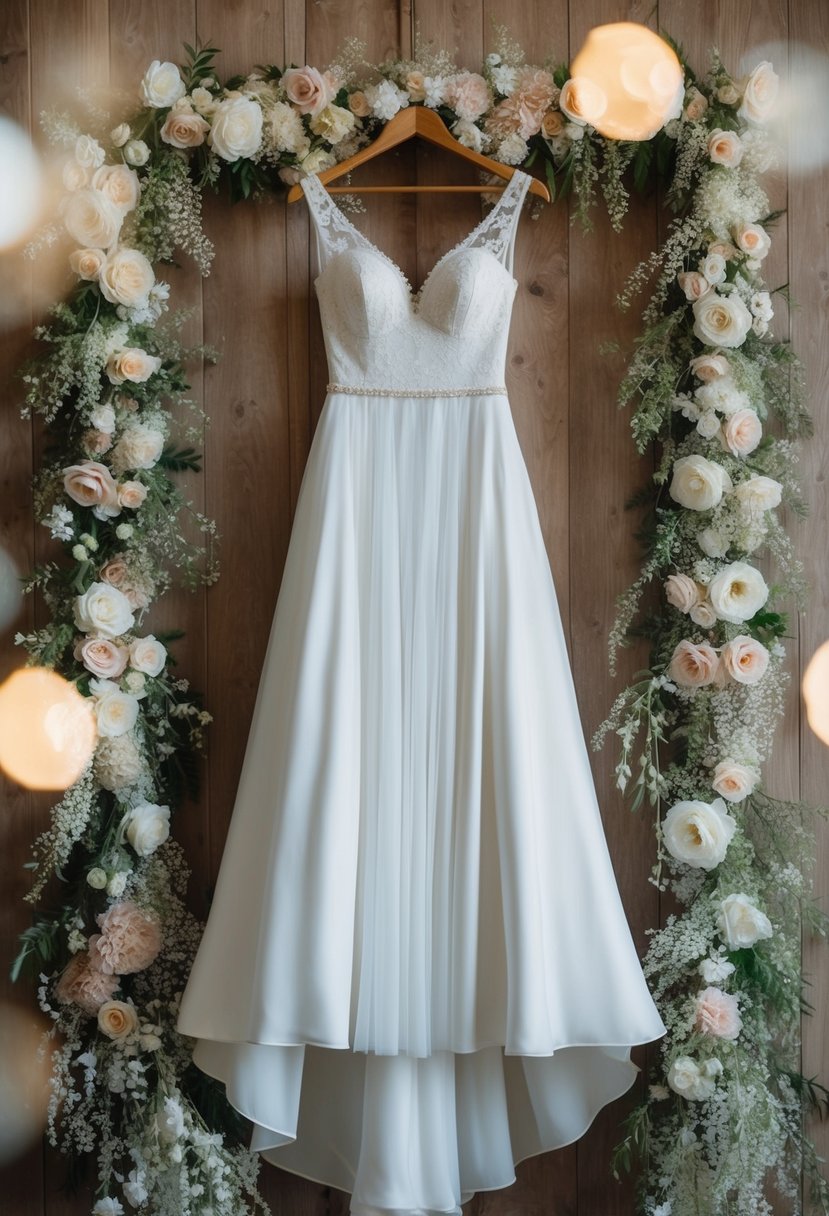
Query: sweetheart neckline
pixel 415 297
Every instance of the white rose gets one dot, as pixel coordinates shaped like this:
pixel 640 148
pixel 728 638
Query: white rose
pixel 728 94
pixel 733 781
pixel 119 184
pixel 725 148
pixel 87 263
pixel 116 712
pixel 92 219
pixel 162 85
pixel 97 878
pixel 127 278
pixel 103 418
pixel 136 152
pixel 697 483
pixel 203 101
pixel 687 1079
pixel 738 592
pixel 333 123
pixel 712 542
pixel 148 655
pixel 760 304
pixel 759 93
pixel 708 424
pixel 758 494
pixel 73 175
pixel 88 152
pixel 710 367
pixel 132 363
pixel 721 320
pixel 741 923
pixel 120 134
pixel 713 267
pixel 147 827
pixel 468 134
pixel 699 833
pixel 103 609
pixel 741 433
pixel 138 448
pixel 236 129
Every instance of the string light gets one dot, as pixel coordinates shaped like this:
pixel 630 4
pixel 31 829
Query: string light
pixel 816 692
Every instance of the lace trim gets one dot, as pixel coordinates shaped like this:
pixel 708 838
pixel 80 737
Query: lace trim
pixel 365 390
pixel 493 233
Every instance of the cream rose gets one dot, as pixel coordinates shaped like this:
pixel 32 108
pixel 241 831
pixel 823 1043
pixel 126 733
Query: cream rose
pixel 120 134
pixel 87 263
pixel 119 184
pixel 136 152
pixel 717 1014
pixel 104 610
pixel 681 592
pixel 309 90
pixel 710 367
pixel 552 124
pixel 127 278
pixel 745 659
pixel 741 432
pixel 759 93
pixel 713 267
pixel 738 592
pixel 162 85
pixel 131 363
pixel 582 100
pixel 92 219
pixel 73 175
pixel 148 655
pixel 725 148
pixel 333 123
pixel 102 657
pixel 721 320
pixel 184 129
pixel 88 152
pixel 699 833
pixel 358 104
pixel 753 240
pixel 758 495
pixel 698 484
pixel 117 1019
pixel 237 128
pixel 147 827
pixel 92 485
pixel 692 665
pixel 693 284
pixel 138 448
pixel 741 923
pixel 703 614
pixel 733 781
pixel 696 104
pixel 131 494
pixel 116 712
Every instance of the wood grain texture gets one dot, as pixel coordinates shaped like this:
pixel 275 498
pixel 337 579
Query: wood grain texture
pixel 264 398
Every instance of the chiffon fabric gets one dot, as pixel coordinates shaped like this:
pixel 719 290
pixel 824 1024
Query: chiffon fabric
pixel 416 970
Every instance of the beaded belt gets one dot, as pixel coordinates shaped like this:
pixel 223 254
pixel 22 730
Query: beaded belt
pixel 360 390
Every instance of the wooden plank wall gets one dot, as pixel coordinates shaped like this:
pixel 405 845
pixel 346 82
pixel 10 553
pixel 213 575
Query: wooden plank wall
pixel 264 398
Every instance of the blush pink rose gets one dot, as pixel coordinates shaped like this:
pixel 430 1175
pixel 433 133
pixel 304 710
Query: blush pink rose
pixel 91 485
pixel 83 985
pixel 131 494
pixel 309 89
pixel 96 442
pixel 741 432
pixel 717 1014
pixel 681 592
pixel 693 284
pixel 745 659
pixel 101 656
pixel 128 942
pixel 693 666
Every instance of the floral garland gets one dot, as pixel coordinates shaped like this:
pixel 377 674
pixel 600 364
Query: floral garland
pixel 114 950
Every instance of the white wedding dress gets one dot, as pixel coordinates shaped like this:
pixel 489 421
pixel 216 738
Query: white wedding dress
pixel 417 969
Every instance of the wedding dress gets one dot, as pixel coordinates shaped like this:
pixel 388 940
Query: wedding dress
pixel 416 969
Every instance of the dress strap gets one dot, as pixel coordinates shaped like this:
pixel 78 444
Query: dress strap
pixel 497 230
pixel 333 231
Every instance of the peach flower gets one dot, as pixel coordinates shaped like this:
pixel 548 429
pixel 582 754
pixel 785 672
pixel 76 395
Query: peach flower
pixel 681 592
pixel 87 263
pixel 82 985
pixel 115 572
pixel 131 494
pixel 693 666
pixel 693 284
pixel 745 659
pixel 582 100
pixel 92 485
pixel 358 104
pixel 184 129
pixel 717 1014
pixel 117 1019
pixel 710 367
pixel 102 657
pixel 733 781
pixel 96 442
pixel 128 942
pixel 468 95
pixel 308 89
pixel 741 432
pixel 725 148
pixel 552 124
pixel 753 240
pixel 415 85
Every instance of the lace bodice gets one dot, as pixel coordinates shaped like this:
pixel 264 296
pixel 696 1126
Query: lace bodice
pixel 451 333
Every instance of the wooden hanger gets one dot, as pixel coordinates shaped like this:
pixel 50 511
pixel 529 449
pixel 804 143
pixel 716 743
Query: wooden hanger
pixel 422 121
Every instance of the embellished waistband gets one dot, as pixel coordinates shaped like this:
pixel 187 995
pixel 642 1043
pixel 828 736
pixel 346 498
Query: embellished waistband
pixel 365 390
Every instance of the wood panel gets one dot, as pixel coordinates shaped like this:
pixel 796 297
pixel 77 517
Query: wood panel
pixel 264 398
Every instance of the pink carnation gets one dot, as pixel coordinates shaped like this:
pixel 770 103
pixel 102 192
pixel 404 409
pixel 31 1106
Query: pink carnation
pixel 717 1014
pixel 468 95
pixel 83 985
pixel 129 940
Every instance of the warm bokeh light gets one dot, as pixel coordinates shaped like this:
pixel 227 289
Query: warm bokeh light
pixel 24 1081
pixel 47 729
pixel 627 81
pixel 800 120
pixel 816 692
pixel 21 191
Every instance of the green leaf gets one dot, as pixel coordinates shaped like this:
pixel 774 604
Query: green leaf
pixel 549 170
pixel 180 459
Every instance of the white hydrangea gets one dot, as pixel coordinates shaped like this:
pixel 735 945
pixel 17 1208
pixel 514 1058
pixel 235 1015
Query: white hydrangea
pixel 118 762
pixel 286 132
pixel 385 99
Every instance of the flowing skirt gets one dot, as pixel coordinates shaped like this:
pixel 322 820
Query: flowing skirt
pixel 416 969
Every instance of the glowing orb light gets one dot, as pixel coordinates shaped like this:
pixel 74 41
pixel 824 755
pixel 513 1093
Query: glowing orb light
pixel 21 188
pixel 625 81
pixel 47 729
pixel 816 692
